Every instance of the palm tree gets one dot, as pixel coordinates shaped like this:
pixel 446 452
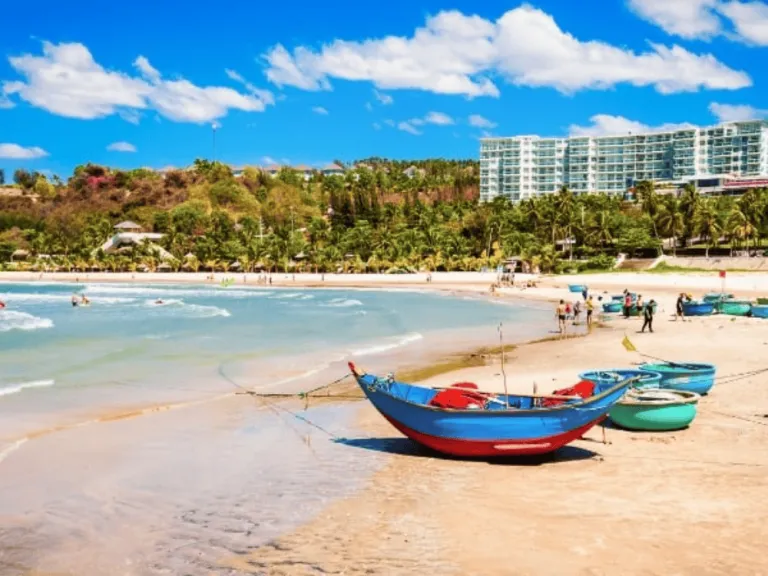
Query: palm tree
pixel 672 220
pixel 708 224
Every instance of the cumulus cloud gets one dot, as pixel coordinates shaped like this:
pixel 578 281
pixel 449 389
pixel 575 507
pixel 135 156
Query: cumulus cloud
pixel 410 126
pixel 705 19
pixel 121 147
pixel 479 122
pixel 458 54
pixel 16 152
pixel 67 81
pixel 607 125
pixel 736 112
pixel 320 110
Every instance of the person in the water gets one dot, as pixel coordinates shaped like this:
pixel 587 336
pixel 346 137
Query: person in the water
pixel 158 301
pixel 74 301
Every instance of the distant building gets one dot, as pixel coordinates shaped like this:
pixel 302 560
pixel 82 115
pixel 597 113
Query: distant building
pixel 332 170
pixel 412 172
pixel 524 167
pixel 129 234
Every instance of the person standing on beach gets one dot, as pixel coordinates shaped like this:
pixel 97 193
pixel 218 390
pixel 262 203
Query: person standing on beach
pixel 584 293
pixel 576 311
pixel 679 311
pixel 560 312
pixel 590 306
pixel 648 316
pixel 627 303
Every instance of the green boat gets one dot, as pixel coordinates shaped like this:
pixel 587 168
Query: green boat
pixel 734 307
pixel 652 410
pixel 762 301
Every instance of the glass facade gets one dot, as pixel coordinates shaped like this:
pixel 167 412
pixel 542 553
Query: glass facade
pixel 524 167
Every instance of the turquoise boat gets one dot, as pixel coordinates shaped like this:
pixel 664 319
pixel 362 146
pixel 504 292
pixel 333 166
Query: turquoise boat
pixel 612 307
pixel 734 307
pixel 717 296
pixel 577 288
pixel 617 298
pixel 685 376
pixel 605 379
pixel 651 410
pixel 694 308
pixel 760 311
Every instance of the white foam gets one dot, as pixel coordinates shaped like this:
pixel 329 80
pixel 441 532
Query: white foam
pixel 342 303
pixel 200 311
pixel 284 296
pixel 16 388
pixel 15 320
pixel 378 349
pixel 212 292
pixel 10 298
pixel 11 448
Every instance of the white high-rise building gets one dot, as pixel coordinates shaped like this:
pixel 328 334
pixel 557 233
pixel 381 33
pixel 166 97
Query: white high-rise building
pixel 524 167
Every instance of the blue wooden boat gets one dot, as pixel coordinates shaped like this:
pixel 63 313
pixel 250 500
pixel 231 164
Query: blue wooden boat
pixel 612 307
pixel 605 379
pixel 461 421
pixel 734 307
pixel 655 410
pixel 617 298
pixel 759 311
pixel 577 288
pixel 717 296
pixel 694 308
pixel 687 376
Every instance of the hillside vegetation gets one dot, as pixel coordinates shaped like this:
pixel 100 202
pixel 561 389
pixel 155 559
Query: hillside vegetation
pixel 374 218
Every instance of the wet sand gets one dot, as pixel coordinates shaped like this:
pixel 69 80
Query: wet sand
pixel 687 502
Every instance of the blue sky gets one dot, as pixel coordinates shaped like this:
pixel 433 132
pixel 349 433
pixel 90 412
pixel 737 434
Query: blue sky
pixel 141 83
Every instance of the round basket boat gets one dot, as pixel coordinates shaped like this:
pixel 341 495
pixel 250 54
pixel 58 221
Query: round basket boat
pixel 605 379
pixel 577 288
pixel 686 376
pixel 612 307
pixel 759 311
pixel 655 410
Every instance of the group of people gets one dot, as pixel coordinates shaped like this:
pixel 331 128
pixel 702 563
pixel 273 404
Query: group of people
pixel 646 309
pixel 79 300
pixel 566 311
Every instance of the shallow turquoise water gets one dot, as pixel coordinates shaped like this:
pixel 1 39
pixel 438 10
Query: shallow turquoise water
pixel 205 339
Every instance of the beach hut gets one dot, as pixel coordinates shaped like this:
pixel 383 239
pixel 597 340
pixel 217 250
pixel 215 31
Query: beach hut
pixel 235 265
pixel 127 226
pixel 19 255
pixel 165 267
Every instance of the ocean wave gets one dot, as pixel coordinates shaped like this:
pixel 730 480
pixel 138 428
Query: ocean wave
pixel 189 310
pixel 212 292
pixel 11 448
pixel 379 348
pixel 11 297
pixel 8 389
pixel 287 296
pixel 15 320
pixel 201 311
pixel 342 303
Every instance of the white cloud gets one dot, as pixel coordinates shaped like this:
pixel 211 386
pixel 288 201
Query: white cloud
pixel 268 160
pixel 705 19
pixel 369 106
pixel 67 81
pixel 5 102
pixel 479 122
pixel 749 19
pixel 685 18
pixel 455 54
pixel 736 112
pixel 409 127
pixel 438 118
pixel 607 125
pixel 385 99
pixel 376 126
pixel 390 123
pixel 320 110
pixel 121 147
pixel 16 152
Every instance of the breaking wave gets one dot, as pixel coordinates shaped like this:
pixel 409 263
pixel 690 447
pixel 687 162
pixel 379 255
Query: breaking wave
pixel 342 303
pixel 8 389
pixel 379 348
pixel 14 320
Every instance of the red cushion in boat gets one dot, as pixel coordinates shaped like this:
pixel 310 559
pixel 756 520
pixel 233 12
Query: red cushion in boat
pixel 458 399
pixel 585 389
pixel 469 385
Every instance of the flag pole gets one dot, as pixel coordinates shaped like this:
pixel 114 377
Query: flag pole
pixel 503 372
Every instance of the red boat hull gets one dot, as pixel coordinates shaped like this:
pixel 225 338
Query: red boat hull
pixel 484 448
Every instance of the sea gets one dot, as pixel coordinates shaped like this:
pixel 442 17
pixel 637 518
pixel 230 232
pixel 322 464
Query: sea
pixel 127 445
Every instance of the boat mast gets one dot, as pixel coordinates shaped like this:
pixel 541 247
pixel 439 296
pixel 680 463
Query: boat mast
pixel 503 372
